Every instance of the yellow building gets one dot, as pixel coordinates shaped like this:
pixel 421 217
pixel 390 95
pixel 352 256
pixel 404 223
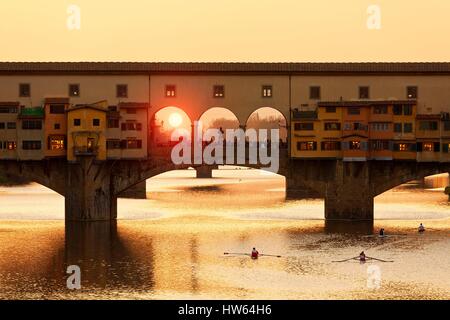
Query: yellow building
pixel 404 127
pixel 445 136
pixel 330 135
pixel 305 128
pixel 428 135
pixel 86 129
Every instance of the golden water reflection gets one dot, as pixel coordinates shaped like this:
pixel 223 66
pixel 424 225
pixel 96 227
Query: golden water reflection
pixel 171 246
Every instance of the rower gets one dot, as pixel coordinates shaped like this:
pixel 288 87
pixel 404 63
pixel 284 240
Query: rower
pixel 362 257
pixel 421 228
pixel 382 232
pixel 255 254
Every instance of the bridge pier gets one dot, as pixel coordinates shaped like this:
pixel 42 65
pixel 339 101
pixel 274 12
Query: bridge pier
pixel 90 196
pixel 349 196
pixel 138 191
pixel 205 172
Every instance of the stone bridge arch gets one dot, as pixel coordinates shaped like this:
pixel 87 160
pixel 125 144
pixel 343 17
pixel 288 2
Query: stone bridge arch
pixel 50 174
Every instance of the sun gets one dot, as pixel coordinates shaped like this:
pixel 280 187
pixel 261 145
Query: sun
pixel 175 120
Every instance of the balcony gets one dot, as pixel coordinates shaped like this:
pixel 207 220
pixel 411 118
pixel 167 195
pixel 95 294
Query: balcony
pixel 85 151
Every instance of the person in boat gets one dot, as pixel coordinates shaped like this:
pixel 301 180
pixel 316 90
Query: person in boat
pixel 362 257
pixel 382 232
pixel 255 254
pixel 421 228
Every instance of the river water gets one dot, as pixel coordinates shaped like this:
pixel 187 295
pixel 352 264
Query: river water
pixel 171 246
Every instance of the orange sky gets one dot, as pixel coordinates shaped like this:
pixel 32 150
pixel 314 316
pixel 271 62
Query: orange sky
pixel 232 30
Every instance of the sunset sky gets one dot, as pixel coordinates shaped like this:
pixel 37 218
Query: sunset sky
pixel 205 30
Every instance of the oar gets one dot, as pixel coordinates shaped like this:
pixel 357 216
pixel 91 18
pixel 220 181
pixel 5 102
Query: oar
pixel 379 259
pixel 346 259
pixel 270 255
pixel 238 254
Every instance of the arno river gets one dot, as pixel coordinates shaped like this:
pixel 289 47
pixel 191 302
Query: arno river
pixel 172 245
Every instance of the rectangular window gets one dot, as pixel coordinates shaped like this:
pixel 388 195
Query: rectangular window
pixel 446 125
pixel 306 126
pixel 445 147
pixel 57 108
pixel 218 91
pixel 307 146
pixel 74 90
pixel 364 92
pixel 134 144
pixel 31 124
pixel 96 122
pixel 131 126
pixel 24 90
pixel 11 125
pixel 2 125
pixel 113 123
pixel 314 93
pixel 359 126
pixel 412 92
pixel 380 109
pixel 427 146
pixel 77 122
pixel 407 110
pixel 8 109
pixel 428 125
pixel 398 110
pixel 267 91
pixel 56 142
pixel 404 147
pixel 11 145
pixel 331 145
pixel 407 127
pixel 31 145
pixel 332 126
pixel 380 126
pixel 354 110
pixel 330 109
pixel 355 145
pixel 347 126
pixel 379 145
pixel 113 144
pixel 122 91
pixel 397 127
pixel 171 91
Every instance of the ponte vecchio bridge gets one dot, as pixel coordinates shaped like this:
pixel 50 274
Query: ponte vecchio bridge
pixel 355 130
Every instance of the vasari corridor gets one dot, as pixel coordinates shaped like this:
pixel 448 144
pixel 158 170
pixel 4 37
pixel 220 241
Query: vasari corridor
pixel 205 152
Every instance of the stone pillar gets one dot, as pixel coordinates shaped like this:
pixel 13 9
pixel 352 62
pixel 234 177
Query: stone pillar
pixel 89 195
pixel 296 190
pixel 138 191
pixel 349 196
pixel 205 171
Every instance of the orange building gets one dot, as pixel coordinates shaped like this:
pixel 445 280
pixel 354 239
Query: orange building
pixel 428 137
pixel 445 136
pixel 381 130
pixel 355 131
pixel 55 127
